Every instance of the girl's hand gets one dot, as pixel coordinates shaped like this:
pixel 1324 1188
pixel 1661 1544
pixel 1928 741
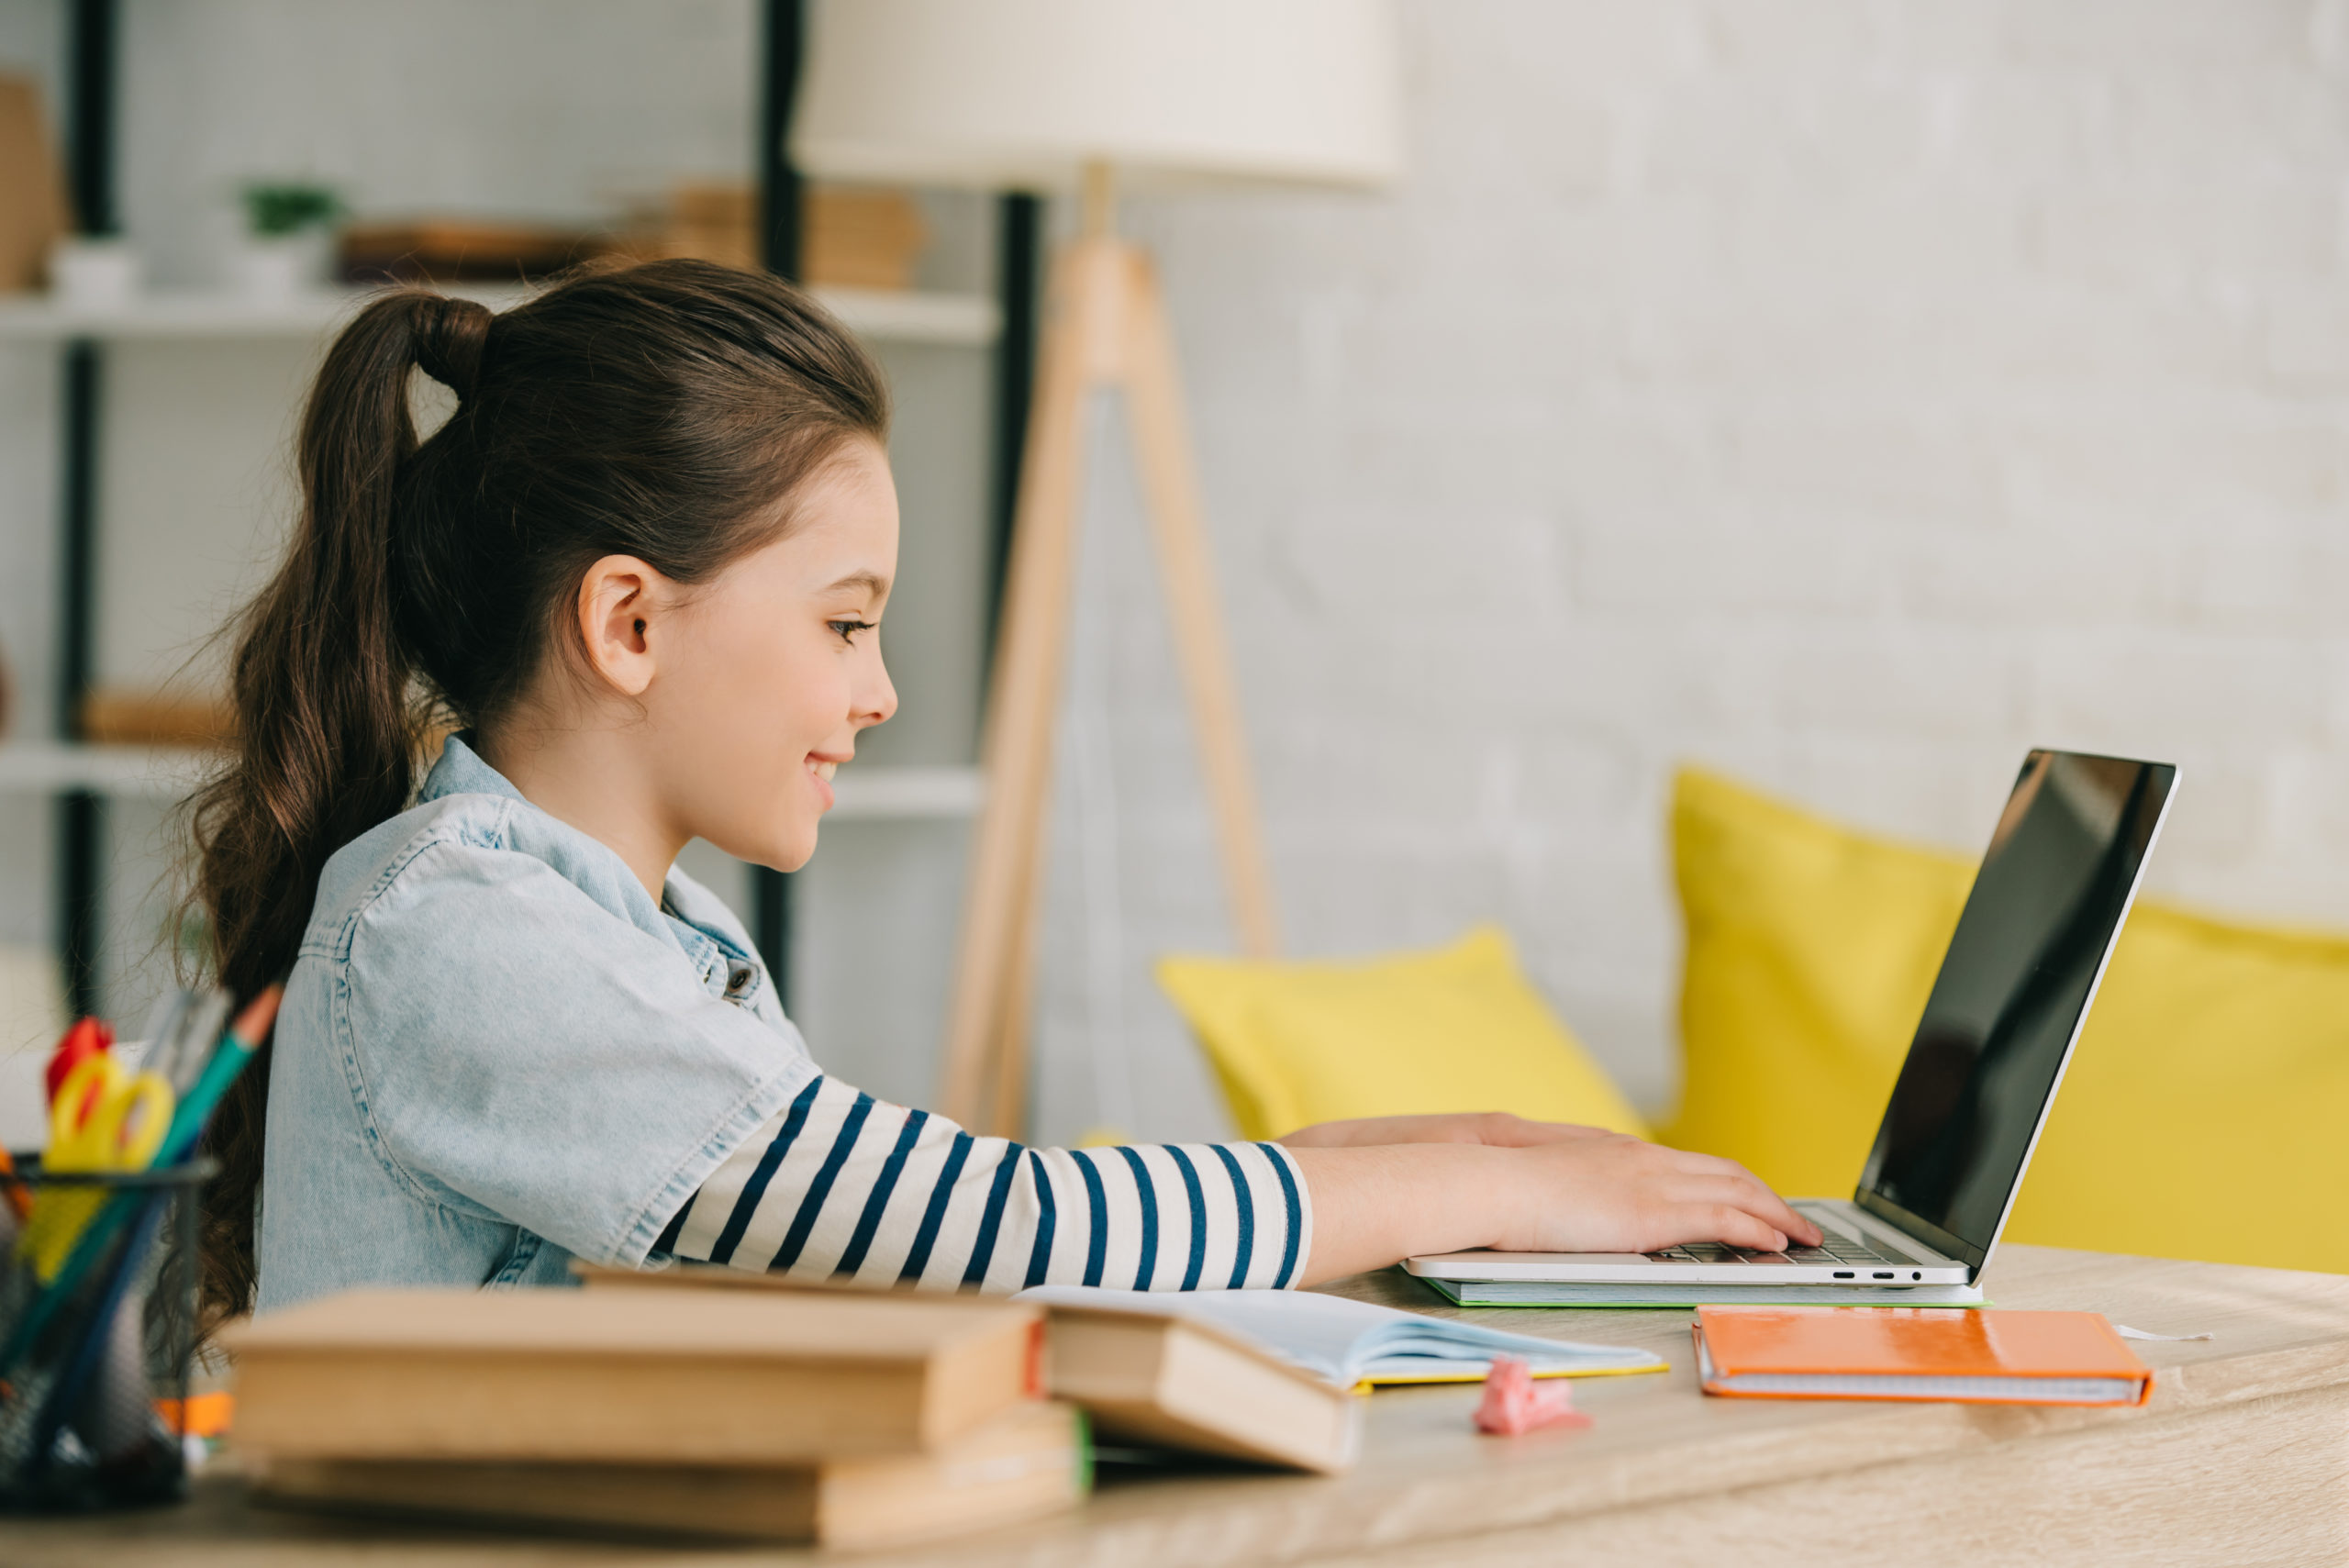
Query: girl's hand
pixel 1592 1191
pixel 1498 1129
pixel 1615 1194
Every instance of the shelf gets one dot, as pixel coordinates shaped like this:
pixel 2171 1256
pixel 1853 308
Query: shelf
pixel 971 320
pixel 168 774
pixel 139 773
pixel 873 793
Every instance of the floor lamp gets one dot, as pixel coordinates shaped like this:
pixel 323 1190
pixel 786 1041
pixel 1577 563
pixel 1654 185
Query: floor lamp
pixel 1050 95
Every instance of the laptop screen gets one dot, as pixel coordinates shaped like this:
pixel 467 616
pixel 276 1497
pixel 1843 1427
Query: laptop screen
pixel 2046 904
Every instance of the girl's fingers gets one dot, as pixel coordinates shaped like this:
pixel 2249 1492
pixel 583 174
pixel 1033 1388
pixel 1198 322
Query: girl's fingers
pixel 1728 1223
pixel 1744 1194
pixel 1753 1195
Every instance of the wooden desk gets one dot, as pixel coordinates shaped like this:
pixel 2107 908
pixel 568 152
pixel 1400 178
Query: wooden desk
pixel 2242 1457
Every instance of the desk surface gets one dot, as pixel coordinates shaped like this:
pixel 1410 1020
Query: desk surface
pixel 2241 1456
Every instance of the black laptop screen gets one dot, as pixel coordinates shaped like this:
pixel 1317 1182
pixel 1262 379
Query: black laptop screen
pixel 2054 886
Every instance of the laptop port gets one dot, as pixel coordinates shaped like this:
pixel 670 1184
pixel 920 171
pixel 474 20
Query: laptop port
pixel 1884 1274
pixel 1845 1273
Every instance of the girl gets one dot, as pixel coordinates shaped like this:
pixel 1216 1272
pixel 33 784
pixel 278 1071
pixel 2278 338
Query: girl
pixel 644 565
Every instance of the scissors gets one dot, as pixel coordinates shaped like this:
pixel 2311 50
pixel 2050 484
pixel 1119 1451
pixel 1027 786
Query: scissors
pixel 104 1117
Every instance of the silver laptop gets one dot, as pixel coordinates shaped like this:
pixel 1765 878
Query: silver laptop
pixel 2014 989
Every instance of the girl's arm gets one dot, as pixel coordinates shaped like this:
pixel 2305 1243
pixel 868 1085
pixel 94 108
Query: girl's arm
pixel 1588 1192
pixel 1498 1127
pixel 841 1185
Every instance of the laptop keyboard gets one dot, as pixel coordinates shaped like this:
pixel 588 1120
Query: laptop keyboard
pixel 1837 1249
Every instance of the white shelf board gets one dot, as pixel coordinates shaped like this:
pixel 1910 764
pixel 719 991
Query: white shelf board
pixel 883 315
pixel 168 774
pixel 148 773
pixel 874 792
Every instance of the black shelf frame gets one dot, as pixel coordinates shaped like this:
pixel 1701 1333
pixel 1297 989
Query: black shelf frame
pixel 92 39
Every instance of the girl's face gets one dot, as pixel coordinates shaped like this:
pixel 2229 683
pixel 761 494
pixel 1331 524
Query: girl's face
pixel 775 667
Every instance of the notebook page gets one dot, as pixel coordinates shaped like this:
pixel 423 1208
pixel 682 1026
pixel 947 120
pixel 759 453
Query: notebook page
pixel 1347 1340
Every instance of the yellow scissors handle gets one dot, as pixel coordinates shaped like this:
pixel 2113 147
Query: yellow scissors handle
pixel 108 1119
pixel 104 1120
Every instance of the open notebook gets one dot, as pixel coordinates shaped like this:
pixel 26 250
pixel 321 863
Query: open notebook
pixel 1354 1342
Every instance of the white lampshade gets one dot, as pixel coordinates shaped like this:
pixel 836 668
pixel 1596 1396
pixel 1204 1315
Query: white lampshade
pixel 1022 94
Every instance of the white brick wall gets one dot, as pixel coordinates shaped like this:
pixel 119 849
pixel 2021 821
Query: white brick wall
pixel 1847 395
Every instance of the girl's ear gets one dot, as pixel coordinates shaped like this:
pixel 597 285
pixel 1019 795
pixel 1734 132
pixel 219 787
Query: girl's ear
pixel 620 597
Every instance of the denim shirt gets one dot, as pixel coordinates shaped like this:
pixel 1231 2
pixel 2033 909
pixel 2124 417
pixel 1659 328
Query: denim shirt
pixel 496 1053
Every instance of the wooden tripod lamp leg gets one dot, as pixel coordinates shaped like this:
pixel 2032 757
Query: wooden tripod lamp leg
pixel 1107 328
pixel 999 905
pixel 1162 453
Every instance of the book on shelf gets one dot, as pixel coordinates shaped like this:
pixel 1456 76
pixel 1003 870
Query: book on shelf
pixel 710 1377
pixel 1030 1462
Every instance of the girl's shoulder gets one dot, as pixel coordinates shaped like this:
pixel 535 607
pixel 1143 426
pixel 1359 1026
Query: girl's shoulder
pixel 398 853
pixel 468 865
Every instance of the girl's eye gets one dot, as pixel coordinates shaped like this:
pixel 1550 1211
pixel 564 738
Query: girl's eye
pixel 849 628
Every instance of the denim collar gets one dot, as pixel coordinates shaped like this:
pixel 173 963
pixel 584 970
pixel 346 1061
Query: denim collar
pixel 460 771
pixel 688 913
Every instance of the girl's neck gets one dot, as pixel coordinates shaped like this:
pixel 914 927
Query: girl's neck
pixel 593 779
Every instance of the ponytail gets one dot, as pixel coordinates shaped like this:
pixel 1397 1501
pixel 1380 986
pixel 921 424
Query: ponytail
pixel 328 725
pixel 658 411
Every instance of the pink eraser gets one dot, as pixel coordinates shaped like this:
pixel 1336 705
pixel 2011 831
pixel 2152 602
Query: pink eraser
pixel 1514 1403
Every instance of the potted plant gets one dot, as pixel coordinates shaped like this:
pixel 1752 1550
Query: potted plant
pixel 287 224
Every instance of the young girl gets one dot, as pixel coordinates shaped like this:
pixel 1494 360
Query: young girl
pixel 643 566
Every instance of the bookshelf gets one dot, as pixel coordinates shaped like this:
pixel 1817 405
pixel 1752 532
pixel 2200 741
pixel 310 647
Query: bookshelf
pixel 84 780
pixel 868 793
pixel 951 319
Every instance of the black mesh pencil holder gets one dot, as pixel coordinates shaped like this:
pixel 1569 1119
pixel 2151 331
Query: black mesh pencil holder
pixel 96 1357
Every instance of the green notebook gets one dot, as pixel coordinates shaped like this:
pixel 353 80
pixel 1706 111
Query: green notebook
pixel 1543 1293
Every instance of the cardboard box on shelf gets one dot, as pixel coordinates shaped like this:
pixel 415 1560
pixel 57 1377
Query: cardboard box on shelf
pixel 461 249
pixel 34 212
pixel 111 717
pixel 850 237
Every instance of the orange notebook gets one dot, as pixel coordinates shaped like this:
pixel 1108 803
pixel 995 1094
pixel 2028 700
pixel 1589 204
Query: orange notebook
pixel 1917 1352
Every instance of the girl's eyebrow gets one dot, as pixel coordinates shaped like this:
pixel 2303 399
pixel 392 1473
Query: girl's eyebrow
pixel 873 583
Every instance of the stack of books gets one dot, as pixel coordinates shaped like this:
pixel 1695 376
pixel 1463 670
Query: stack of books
pixel 846 1421
pixel 713 1402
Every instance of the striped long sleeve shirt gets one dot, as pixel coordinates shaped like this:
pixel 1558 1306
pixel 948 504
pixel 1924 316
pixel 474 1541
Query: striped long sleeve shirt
pixel 841 1184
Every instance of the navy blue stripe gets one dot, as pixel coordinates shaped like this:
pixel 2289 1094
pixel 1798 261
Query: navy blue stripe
pixel 1191 1189
pixel 819 1191
pixel 1149 1265
pixel 891 1169
pixel 935 1214
pixel 1245 1254
pixel 1296 1214
pixel 983 1250
pixel 1096 1247
pixel 755 1189
pixel 1039 1257
pixel 667 1241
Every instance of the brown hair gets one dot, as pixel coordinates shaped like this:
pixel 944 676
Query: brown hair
pixel 663 411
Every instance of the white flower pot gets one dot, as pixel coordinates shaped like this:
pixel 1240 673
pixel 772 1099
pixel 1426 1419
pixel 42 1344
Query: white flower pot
pixel 94 274
pixel 279 267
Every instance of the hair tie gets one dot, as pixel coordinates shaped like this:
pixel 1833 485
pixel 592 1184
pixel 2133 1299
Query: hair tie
pixel 449 334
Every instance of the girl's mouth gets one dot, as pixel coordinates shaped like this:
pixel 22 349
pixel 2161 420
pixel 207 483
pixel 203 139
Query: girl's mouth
pixel 822 771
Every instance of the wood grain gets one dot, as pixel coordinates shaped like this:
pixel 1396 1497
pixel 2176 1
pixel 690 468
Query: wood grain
pixel 2241 1457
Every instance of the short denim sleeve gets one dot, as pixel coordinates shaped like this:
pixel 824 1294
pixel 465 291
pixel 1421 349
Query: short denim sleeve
pixel 518 1053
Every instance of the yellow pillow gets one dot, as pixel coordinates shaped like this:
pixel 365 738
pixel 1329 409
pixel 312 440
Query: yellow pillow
pixel 2199 1117
pixel 1457 1028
